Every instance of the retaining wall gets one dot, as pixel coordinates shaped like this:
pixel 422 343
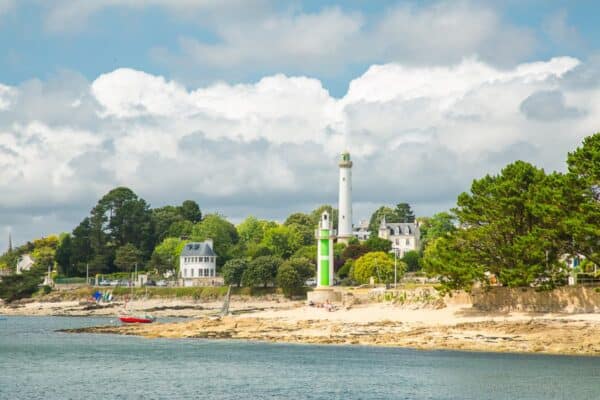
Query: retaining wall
pixel 568 299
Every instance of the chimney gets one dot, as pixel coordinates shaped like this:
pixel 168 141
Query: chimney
pixel 209 242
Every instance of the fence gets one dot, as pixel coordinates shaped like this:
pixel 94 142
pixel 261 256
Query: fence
pixel 71 281
pixel 588 280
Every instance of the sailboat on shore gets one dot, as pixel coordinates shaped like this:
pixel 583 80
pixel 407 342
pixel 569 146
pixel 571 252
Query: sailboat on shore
pixel 127 318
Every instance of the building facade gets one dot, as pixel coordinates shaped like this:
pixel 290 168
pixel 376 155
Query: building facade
pixel 25 263
pixel 198 264
pixel 405 236
pixel 361 231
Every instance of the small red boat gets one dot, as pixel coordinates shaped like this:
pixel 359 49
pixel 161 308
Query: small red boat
pixel 128 319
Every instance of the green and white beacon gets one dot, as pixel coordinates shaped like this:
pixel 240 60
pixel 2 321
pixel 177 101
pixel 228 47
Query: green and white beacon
pixel 324 292
pixel 325 236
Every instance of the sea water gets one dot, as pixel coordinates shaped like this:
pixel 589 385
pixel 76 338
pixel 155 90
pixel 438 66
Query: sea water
pixel 36 362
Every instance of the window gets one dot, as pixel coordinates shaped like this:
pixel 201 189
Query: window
pixel 407 242
pixel 206 272
pixel 192 272
pixel 205 259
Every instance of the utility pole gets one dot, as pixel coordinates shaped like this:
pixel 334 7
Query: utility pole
pixel 395 268
pixel 87 274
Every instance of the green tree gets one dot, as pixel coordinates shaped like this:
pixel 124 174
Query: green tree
pixel 63 256
pixel 43 257
pixel 440 224
pixel 221 231
pixel 375 243
pixel 252 230
pixel 254 250
pixel 378 265
pixel 261 271
pixel 344 271
pixel 300 219
pixel 126 257
pixel 308 252
pixel 165 256
pixel 292 274
pixel 190 211
pixel 288 280
pixel 404 213
pixel 81 247
pixel 456 269
pixel 15 287
pixel 180 229
pixel 303 267
pixel 120 217
pixel 354 251
pixel 44 251
pixel 304 225
pixel 305 232
pixel 510 228
pixel 283 241
pixel 233 270
pixel 581 194
pixel 412 259
pixel 375 221
pixel 163 218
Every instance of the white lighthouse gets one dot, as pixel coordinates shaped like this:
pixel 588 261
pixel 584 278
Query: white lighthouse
pixel 344 232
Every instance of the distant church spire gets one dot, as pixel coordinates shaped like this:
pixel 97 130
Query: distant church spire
pixel 9 243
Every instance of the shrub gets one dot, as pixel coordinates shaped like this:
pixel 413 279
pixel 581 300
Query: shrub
pixel 15 287
pixel 378 265
pixel 233 270
pixel 289 280
pixel 261 271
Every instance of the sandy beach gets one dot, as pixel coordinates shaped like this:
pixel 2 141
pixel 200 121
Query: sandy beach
pixel 455 325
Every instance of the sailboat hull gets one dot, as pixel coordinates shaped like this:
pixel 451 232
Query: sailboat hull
pixel 135 320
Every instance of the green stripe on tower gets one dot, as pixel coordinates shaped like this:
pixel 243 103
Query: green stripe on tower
pixel 324 278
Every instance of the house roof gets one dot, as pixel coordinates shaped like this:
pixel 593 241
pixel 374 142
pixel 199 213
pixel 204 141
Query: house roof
pixel 406 228
pixel 197 249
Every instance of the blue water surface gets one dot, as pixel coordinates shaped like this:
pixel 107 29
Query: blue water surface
pixel 36 362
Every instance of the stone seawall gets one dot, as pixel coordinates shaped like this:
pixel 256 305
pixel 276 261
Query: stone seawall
pixel 570 299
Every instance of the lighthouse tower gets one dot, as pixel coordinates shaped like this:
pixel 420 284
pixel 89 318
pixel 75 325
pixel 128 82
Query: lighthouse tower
pixel 325 236
pixel 345 200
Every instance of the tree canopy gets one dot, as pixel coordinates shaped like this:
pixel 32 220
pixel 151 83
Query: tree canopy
pixel 508 228
pixel 378 265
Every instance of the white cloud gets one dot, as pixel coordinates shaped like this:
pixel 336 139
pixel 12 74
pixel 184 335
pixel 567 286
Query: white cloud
pixel 417 134
pixel 327 41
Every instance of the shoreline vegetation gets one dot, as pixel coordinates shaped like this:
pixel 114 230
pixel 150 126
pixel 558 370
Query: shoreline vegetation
pixel 414 319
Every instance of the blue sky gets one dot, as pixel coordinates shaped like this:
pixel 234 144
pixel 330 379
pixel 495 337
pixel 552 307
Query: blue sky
pixel 244 105
pixel 126 36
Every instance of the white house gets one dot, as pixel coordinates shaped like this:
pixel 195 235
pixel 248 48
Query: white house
pixel 361 231
pixel 405 236
pixel 198 263
pixel 25 263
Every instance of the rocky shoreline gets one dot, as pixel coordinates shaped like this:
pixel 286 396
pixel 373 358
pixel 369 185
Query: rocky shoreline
pixel 514 334
pixel 452 324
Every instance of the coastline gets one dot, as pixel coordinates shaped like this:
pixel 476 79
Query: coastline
pixel 453 327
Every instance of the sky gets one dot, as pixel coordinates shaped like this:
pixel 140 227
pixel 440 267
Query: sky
pixel 245 106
